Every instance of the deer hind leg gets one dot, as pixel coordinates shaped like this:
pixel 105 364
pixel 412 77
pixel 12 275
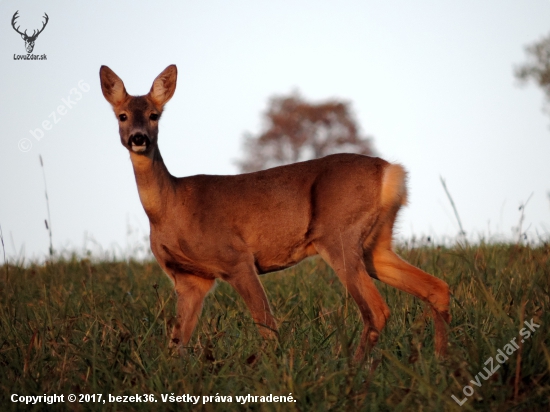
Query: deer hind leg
pixel 384 265
pixel 246 282
pixel 394 271
pixel 349 266
pixel 190 293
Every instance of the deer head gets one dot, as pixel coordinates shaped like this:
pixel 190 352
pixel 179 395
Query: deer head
pixel 29 40
pixel 138 116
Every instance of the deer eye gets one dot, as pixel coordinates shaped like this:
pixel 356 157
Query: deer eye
pixel 153 116
pixel 122 117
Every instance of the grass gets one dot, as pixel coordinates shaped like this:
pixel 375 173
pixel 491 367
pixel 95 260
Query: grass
pixel 82 327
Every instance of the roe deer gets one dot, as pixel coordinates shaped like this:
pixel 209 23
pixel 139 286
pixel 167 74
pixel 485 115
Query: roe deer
pixel 341 207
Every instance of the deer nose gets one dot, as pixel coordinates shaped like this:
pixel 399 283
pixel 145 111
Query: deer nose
pixel 139 139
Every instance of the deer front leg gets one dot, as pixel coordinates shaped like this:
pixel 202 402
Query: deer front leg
pixel 247 284
pixel 190 293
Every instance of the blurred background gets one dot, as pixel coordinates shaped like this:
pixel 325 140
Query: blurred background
pixel 432 85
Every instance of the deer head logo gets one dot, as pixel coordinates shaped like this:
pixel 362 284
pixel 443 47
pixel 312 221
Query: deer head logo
pixel 29 40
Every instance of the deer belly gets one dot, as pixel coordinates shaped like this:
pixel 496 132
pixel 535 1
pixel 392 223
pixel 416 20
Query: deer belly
pixel 271 262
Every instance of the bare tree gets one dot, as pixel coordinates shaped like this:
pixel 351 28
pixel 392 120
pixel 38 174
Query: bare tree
pixel 537 67
pixel 298 130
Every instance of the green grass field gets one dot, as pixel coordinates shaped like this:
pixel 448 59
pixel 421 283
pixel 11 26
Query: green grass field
pixel 80 327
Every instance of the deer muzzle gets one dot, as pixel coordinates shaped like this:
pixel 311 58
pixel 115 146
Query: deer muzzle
pixel 139 142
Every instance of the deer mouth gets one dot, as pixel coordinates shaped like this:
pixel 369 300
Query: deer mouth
pixel 139 143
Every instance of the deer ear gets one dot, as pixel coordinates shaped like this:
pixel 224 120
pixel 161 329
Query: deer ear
pixel 164 86
pixel 112 87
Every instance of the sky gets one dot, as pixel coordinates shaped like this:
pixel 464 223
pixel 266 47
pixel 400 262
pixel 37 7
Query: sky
pixel 432 82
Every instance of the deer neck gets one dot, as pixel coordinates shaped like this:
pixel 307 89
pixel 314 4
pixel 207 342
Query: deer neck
pixel 154 183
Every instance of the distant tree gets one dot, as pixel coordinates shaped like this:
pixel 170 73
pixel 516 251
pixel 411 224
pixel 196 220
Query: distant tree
pixel 537 67
pixel 297 130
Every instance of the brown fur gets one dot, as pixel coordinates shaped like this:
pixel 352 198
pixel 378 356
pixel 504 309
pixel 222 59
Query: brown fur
pixel 204 228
